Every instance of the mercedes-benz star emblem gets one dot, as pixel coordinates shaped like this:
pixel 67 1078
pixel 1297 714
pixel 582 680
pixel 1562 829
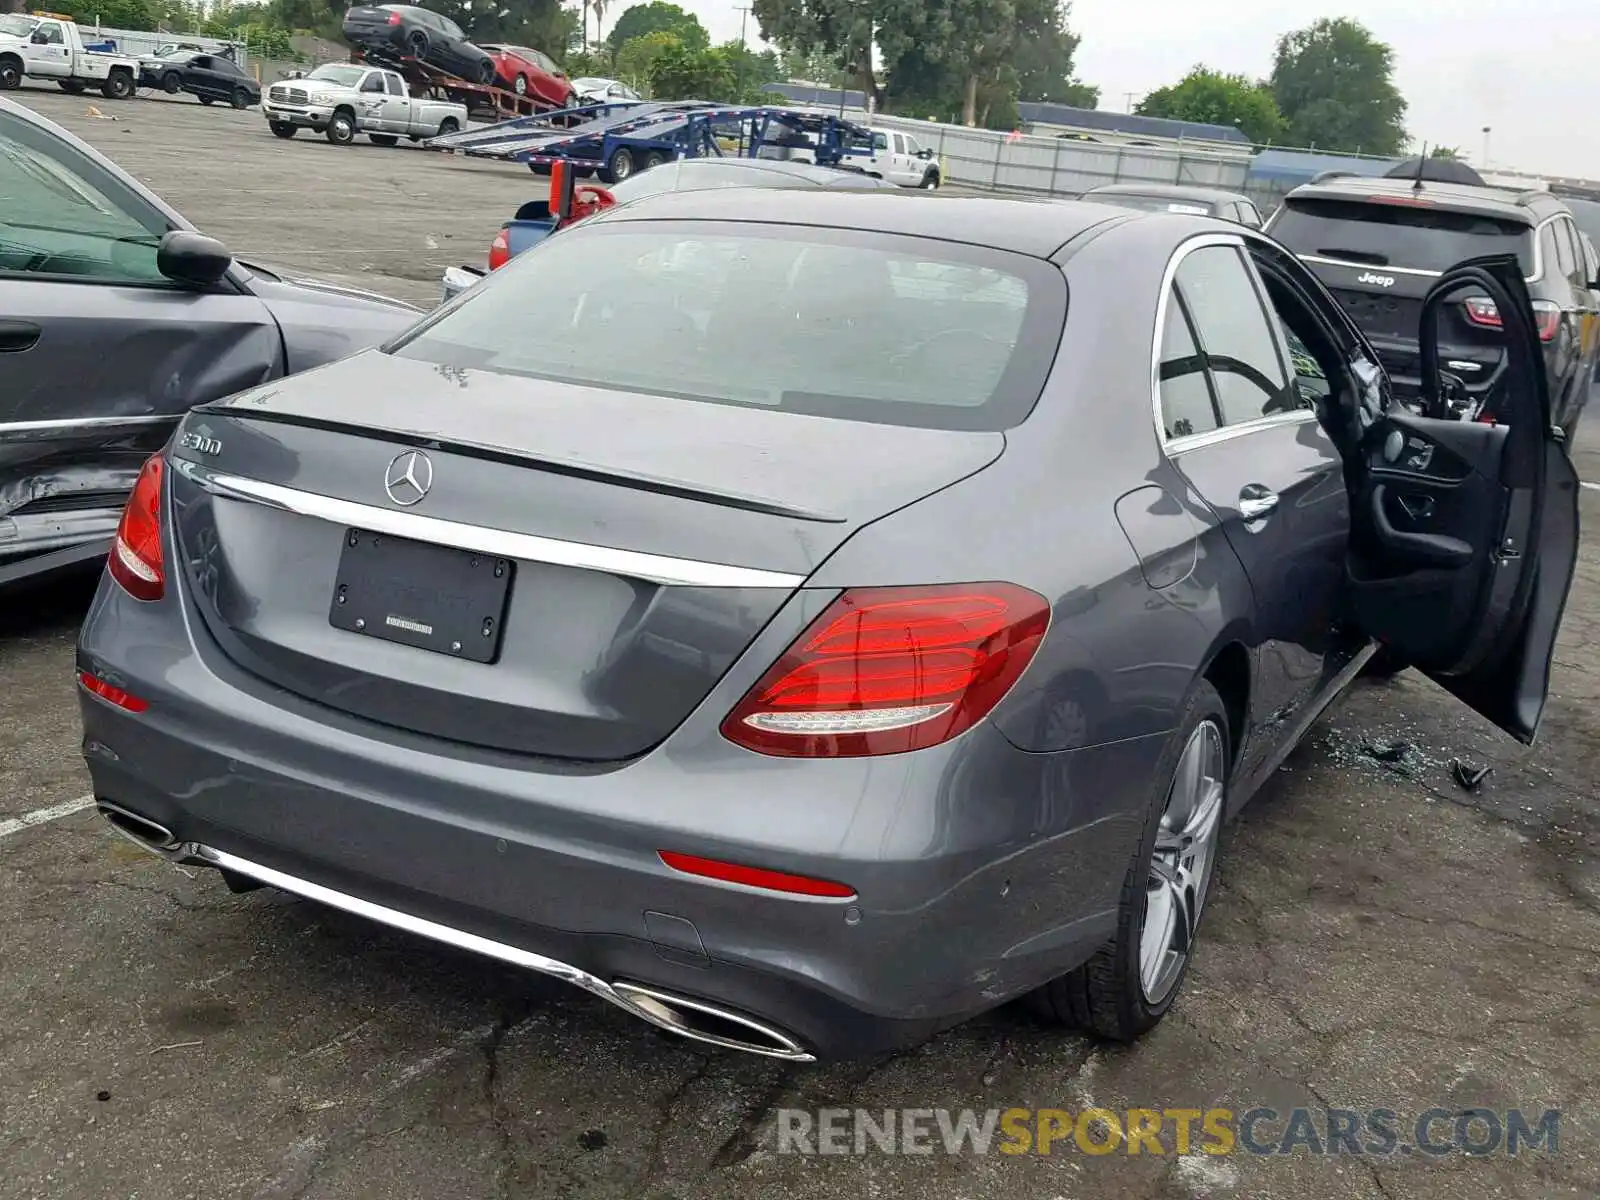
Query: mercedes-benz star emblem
pixel 409 477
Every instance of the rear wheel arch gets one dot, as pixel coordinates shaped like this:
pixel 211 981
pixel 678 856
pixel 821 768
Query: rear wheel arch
pixel 1229 671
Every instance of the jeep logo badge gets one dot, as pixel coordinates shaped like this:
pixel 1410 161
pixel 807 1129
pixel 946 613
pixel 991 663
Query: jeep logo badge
pixel 1381 280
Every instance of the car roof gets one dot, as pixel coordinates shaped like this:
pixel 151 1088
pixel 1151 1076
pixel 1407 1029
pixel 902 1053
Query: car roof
pixel 1024 226
pixel 1170 191
pixel 1459 197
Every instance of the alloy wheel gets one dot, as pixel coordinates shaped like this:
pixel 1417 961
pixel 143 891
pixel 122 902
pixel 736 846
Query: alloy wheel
pixel 1181 865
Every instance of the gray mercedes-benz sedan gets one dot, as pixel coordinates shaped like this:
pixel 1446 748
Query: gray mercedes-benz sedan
pixel 809 619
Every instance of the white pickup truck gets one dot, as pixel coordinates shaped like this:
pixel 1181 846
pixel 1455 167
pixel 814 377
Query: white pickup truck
pixel 338 100
pixel 44 47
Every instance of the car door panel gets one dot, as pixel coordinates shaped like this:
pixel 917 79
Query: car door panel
pixel 1465 536
pixel 1269 472
pixel 101 388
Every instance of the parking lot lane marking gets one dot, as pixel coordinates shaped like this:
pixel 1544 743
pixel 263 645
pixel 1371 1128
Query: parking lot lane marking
pixel 41 815
pixel 1595 486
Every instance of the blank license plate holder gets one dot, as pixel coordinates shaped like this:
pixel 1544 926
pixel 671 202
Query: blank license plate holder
pixel 436 598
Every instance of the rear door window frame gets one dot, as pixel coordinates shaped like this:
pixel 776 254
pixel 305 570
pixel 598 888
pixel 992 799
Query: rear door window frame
pixel 1166 308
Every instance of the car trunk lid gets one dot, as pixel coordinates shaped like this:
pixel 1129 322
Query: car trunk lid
pixel 641 543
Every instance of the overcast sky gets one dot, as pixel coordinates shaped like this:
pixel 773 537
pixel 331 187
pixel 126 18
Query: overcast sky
pixel 1529 69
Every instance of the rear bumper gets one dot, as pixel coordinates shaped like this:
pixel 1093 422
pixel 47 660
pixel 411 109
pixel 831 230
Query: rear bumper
pixel 981 871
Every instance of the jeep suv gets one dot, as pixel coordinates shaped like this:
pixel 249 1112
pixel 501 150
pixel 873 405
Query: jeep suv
pixel 1379 245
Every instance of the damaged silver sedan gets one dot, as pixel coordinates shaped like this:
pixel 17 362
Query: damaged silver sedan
pixel 117 317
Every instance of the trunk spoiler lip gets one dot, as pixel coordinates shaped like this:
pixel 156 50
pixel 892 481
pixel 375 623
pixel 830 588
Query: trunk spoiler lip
pixel 520 458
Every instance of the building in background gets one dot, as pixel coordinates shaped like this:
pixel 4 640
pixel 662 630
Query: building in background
pixel 1127 129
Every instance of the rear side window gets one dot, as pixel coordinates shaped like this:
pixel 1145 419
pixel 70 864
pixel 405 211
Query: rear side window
pixel 1234 333
pixel 1398 234
pixel 834 323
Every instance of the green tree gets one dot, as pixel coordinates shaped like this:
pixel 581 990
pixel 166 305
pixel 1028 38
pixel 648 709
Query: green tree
pixel 658 16
pixel 846 31
pixel 1043 57
pixel 636 56
pixel 814 66
pixel 1213 98
pixel 112 14
pixel 679 73
pixel 1449 152
pixel 1334 83
pixel 752 70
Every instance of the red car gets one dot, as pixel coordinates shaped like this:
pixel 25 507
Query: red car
pixel 531 73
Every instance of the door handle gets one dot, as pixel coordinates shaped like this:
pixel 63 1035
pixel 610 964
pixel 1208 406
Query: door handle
pixel 1432 549
pixel 16 336
pixel 1256 501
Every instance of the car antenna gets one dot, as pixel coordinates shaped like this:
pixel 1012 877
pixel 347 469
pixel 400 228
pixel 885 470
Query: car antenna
pixel 1422 161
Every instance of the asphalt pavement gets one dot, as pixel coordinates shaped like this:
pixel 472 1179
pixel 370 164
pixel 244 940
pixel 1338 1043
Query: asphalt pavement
pixel 1380 938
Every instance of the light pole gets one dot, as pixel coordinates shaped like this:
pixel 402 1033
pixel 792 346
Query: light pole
pixel 744 14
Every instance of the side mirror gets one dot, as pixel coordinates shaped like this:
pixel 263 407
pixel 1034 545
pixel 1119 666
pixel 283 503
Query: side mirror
pixel 193 258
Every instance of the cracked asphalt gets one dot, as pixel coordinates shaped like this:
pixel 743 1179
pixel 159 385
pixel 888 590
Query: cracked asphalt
pixel 1379 938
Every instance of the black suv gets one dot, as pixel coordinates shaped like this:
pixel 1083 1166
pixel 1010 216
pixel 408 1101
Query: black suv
pixel 1380 244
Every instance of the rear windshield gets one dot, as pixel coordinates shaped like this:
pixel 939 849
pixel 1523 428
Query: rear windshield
pixel 834 323
pixel 1398 235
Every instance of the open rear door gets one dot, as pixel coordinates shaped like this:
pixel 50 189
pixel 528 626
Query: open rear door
pixel 1465 534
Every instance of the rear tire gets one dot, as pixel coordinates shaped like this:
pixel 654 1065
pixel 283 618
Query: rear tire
pixel 282 129
pixel 205 99
pixel 417 45
pixel 486 72
pixel 341 129
pixel 653 159
pixel 10 75
pixel 1122 992
pixel 118 85
pixel 383 139
pixel 618 167
pixel 448 125
pixel 519 85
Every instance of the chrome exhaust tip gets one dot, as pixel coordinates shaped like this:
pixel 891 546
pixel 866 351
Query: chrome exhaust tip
pixel 712 1024
pixel 141 831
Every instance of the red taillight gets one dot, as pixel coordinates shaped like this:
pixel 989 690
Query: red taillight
pixel 759 877
pixel 1481 311
pixel 394 19
pixel 1547 318
pixel 886 670
pixel 136 553
pixel 499 251
pixel 110 694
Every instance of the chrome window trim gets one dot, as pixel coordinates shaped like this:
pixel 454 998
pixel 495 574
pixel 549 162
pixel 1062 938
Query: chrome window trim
pixel 1194 441
pixel 503 543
